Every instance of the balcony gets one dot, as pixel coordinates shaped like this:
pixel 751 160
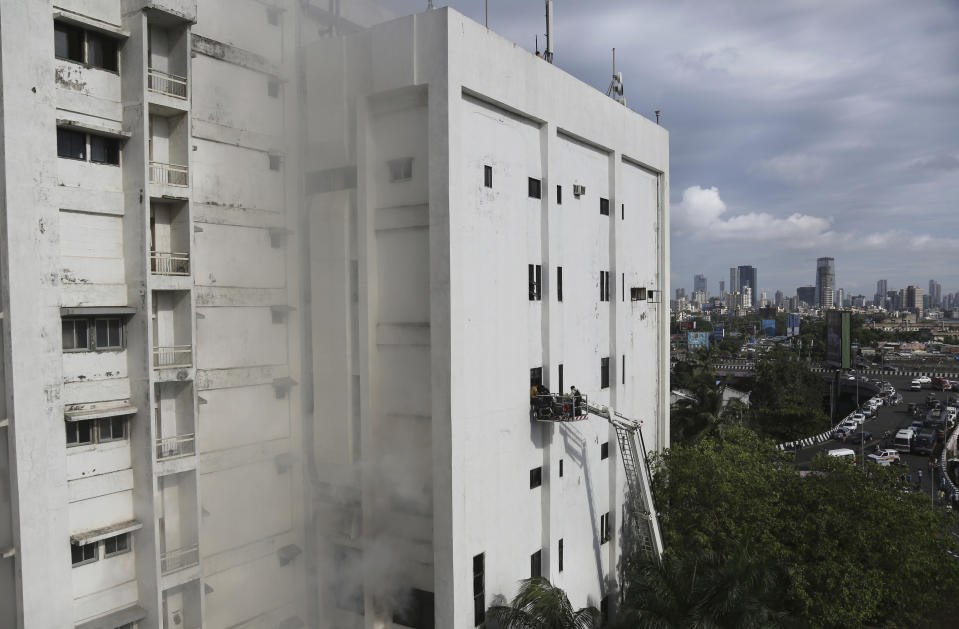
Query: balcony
pixel 175 447
pixel 172 356
pixel 165 263
pixel 180 558
pixel 169 174
pixel 167 84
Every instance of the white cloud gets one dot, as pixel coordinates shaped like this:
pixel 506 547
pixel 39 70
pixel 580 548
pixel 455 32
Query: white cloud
pixel 700 214
pixel 792 168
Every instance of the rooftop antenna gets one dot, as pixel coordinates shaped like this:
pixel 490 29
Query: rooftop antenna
pixel 549 31
pixel 615 90
pixel 537 47
pixel 487 13
pixel 658 111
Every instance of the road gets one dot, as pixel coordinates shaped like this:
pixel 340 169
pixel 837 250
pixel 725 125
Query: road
pixel 889 418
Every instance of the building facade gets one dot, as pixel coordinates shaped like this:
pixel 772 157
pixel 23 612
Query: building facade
pixel 699 283
pixel 882 289
pixel 825 283
pixel 260 368
pixel 747 277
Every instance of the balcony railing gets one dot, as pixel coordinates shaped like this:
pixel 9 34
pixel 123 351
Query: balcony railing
pixel 174 447
pixel 178 559
pixel 164 263
pixel 169 174
pixel 169 84
pixel 172 356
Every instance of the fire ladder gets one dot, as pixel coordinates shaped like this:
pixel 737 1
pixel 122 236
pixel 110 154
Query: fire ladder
pixel 640 510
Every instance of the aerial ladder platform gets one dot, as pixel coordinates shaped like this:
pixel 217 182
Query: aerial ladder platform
pixel 641 511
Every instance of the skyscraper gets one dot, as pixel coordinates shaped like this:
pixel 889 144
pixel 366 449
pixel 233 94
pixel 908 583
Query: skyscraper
pixel 914 299
pixel 806 295
pixel 881 289
pixel 722 287
pixel 935 293
pixel 748 277
pixel 825 282
pixel 779 299
pixel 840 297
pixel 734 286
pixel 699 283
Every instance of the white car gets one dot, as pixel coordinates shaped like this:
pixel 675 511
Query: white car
pixel 916 384
pixel 924 380
pixel 884 458
pixel 858 418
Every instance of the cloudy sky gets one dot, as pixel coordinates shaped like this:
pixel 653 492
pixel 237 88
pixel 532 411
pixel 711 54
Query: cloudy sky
pixel 798 129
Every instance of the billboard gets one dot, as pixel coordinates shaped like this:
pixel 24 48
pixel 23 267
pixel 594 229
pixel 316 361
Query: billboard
pixel 792 325
pixel 719 332
pixel 838 324
pixel 697 340
pixel 769 327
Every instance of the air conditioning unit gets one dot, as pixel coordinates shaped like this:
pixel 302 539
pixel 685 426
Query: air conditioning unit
pixel 578 190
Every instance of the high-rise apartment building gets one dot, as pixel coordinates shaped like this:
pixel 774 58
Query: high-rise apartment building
pixel 680 293
pixel 255 356
pixel 935 293
pixel 882 289
pixel 722 288
pixel 913 300
pixel 747 276
pixel 807 295
pixel 699 284
pixel 734 285
pixel 780 299
pixel 825 282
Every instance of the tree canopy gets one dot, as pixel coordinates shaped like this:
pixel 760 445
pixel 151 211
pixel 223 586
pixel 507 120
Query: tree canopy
pixel 843 546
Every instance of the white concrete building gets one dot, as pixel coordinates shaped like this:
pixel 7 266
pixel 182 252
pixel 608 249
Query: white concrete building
pixel 273 291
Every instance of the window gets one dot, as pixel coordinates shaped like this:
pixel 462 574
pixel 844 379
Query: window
pixel 604 207
pixel 560 555
pixel 274 162
pixel 637 294
pixel 116 545
pixel 535 376
pixel 92 334
pixel 536 564
pixel 622 283
pixel 535 188
pixel 622 371
pixel 109 333
pixel 560 388
pixel 76 44
pixel 535 282
pixel 104 150
pixel 75 335
pixel 488 176
pixel 273 88
pixel 561 468
pixel 84 554
pixel 67 42
pixel 101 51
pixel 479 589
pixel 622 210
pixel 604 528
pixel 401 169
pixel 604 451
pixel 80 433
pixel 604 285
pixel 112 429
pixel 71 144
pixel 559 195
pixel 535 477
pixel 418 610
pixel 559 285
pixel 604 373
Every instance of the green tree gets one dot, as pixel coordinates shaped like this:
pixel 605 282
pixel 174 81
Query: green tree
pixel 851 547
pixel 787 397
pixel 541 605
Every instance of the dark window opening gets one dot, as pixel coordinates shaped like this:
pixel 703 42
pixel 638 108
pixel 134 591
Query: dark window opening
pixel 102 51
pixel 559 556
pixel 604 451
pixel 79 433
pixel 604 207
pixel 535 272
pixel 479 589
pixel 559 195
pixel 417 611
pixel 604 285
pixel 535 477
pixel 104 150
pixel 87 553
pixel 488 176
pixel 536 564
pixel 71 144
pixel 604 373
pixel 401 169
pixel 604 528
pixel 536 376
pixel 560 388
pixel 623 370
pixel 112 429
pixel 535 191
pixel 637 294
pixel 622 210
pixel 622 283
pixel 348 593
pixel 75 335
pixel 68 42
pixel 109 333
pixel 559 283
pixel 116 545
pixel 561 468
pixel 93 334
pixel 274 162
pixel 273 88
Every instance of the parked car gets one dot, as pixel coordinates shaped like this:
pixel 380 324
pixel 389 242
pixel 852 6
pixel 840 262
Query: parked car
pixel 859 418
pixel 915 385
pixel 843 453
pixel 845 429
pixel 924 380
